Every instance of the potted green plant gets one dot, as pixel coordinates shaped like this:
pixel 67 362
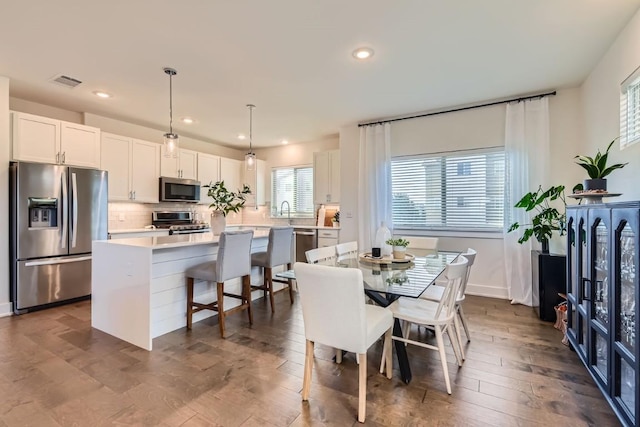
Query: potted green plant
pixel 335 221
pixel 399 247
pixel 547 218
pixel 597 169
pixel 224 201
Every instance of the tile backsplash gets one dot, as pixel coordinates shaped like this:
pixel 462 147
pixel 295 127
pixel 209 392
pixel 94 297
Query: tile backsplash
pixel 123 216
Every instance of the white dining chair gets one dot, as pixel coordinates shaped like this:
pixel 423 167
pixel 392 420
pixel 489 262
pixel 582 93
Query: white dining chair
pixel 325 255
pixel 437 315
pixel 347 250
pixel 419 242
pixel 352 325
pixel 435 293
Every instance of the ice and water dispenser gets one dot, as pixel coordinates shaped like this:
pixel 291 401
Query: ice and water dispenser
pixel 43 212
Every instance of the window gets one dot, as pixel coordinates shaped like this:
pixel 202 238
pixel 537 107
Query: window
pixel 630 110
pixel 455 191
pixel 295 186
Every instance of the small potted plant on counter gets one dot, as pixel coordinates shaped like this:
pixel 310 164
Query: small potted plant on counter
pixel 399 247
pixel 335 221
pixel 597 169
pixel 224 201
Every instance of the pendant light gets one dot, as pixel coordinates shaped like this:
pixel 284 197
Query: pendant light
pixel 250 157
pixel 171 140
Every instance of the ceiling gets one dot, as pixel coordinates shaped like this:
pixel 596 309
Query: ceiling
pixel 293 58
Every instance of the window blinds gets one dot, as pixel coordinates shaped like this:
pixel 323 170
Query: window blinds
pixel 462 190
pixel 630 110
pixel 294 185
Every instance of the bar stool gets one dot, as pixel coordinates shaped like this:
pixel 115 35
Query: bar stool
pixel 234 260
pixel 278 253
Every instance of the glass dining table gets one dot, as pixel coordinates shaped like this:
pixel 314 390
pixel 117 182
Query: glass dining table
pixel 386 281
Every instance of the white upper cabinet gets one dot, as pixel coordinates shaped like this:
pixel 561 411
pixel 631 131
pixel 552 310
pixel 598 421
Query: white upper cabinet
pixel 133 166
pixel 326 177
pixel 183 166
pixel 208 172
pixel 230 173
pixel 44 140
pixel 256 180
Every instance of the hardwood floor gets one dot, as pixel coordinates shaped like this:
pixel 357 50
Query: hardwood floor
pixel 56 370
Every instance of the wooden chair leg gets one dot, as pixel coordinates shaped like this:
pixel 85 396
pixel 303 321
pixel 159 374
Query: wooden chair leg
pixel 290 284
pixel 443 357
pixel 264 283
pixel 189 302
pixel 308 367
pixel 268 282
pixel 246 291
pixel 221 309
pixel 388 350
pixel 362 386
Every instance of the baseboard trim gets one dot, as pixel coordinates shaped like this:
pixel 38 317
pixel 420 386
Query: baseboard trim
pixel 487 291
pixel 6 309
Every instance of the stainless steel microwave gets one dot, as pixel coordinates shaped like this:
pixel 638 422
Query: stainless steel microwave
pixel 179 190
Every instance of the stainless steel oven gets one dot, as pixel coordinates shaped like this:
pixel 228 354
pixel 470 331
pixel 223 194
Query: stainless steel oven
pixel 179 190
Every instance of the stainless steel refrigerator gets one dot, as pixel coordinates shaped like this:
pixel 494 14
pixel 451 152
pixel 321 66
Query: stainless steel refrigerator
pixel 56 212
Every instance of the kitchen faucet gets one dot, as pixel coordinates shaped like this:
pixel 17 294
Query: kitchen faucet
pixel 288 211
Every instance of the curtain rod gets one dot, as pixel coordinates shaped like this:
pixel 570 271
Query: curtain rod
pixel 522 98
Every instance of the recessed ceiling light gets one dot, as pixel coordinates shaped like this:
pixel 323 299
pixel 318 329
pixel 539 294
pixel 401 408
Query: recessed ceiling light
pixel 102 94
pixel 363 53
pixel 241 136
pixel 285 142
pixel 187 120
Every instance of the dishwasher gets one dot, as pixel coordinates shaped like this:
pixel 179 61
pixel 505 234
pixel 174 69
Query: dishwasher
pixel 306 239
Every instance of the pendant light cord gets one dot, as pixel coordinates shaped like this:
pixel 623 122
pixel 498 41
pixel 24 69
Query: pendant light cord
pixel 170 103
pixel 251 107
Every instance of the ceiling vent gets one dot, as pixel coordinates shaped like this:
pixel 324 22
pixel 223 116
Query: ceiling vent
pixel 65 81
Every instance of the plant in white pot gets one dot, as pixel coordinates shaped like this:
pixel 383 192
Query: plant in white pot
pixel 399 247
pixel 224 201
pixel 597 169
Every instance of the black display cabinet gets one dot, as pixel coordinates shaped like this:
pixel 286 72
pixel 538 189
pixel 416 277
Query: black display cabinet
pixel 603 261
pixel 549 279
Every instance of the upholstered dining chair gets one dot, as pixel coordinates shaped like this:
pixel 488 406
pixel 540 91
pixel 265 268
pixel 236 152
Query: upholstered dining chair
pixel 435 293
pixel 233 261
pixel 352 325
pixel 325 255
pixel 419 242
pixel 347 250
pixel 436 315
pixel 278 253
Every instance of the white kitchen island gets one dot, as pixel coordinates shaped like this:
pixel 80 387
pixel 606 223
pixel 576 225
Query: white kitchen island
pixel 138 287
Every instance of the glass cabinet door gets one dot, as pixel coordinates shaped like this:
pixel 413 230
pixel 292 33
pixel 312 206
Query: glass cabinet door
pixel 624 318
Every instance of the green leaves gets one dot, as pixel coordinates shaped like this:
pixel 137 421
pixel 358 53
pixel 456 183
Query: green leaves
pixel 596 167
pixel 397 242
pixel 224 200
pixel 547 218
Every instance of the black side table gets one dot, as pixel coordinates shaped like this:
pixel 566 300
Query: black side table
pixel 548 279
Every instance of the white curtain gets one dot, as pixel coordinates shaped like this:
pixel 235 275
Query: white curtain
pixel 527 154
pixel 374 182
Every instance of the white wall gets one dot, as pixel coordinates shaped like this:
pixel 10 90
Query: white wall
pixel 295 154
pixel 601 106
pixel 470 129
pixel 17 104
pixel 5 153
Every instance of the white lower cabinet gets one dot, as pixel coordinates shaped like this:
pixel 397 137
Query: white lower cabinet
pixel 133 166
pixel 327 237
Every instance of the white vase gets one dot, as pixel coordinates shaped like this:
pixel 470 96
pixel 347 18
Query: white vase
pixel 218 222
pixel 399 252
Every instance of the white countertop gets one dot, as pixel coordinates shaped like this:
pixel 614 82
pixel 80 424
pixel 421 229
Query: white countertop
pixel 134 230
pixel 177 240
pixel 230 226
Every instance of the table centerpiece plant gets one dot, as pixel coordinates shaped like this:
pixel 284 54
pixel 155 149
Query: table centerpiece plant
pixel 224 201
pixel 399 247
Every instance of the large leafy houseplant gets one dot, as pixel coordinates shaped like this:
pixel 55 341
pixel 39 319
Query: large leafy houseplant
pixel 547 218
pixel 225 200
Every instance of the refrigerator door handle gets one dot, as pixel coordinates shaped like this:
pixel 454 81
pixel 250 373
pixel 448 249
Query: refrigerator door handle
pixel 65 211
pixel 55 261
pixel 74 209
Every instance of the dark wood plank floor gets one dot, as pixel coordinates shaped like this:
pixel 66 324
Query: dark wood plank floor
pixel 56 370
